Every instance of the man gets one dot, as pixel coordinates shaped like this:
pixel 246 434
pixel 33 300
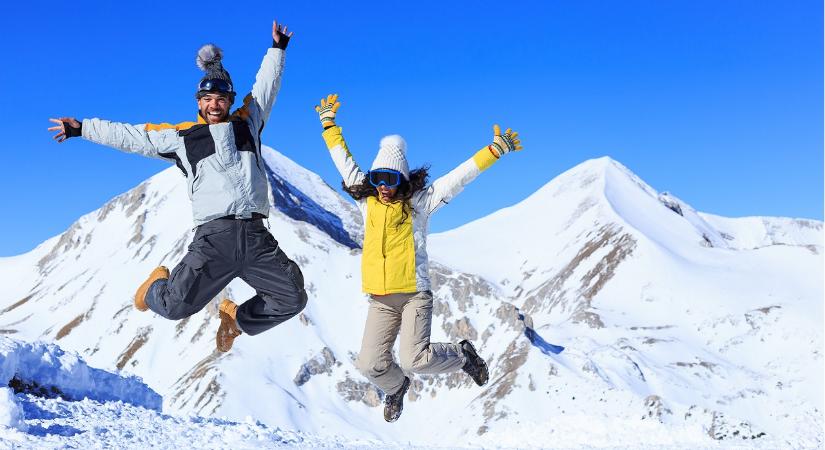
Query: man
pixel 220 155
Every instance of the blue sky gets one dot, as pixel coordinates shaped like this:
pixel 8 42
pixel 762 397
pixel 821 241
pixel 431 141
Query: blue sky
pixel 718 102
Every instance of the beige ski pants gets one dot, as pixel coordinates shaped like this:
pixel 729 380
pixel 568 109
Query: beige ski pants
pixel 409 315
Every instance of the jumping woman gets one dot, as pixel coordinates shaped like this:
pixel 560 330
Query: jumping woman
pixel 396 205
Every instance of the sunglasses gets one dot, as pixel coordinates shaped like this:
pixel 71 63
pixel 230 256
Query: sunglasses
pixel 387 177
pixel 215 84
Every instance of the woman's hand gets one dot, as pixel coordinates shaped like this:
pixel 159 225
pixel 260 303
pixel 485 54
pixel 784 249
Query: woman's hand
pixel 327 109
pixel 505 143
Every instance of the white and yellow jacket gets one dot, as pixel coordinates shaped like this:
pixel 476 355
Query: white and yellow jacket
pixel 395 252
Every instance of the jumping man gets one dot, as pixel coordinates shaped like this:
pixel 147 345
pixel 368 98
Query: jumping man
pixel 220 155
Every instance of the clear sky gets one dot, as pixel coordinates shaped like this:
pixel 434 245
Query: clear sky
pixel 718 102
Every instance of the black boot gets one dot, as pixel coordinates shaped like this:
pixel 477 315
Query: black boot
pixel 394 403
pixel 475 366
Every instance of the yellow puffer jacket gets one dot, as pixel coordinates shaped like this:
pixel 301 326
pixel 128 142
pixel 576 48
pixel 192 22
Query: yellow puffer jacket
pixel 395 235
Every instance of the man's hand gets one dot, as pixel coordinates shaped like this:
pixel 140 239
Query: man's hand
pixel 280 37
pixel 327 109
pixel 66 127
pixel 504 143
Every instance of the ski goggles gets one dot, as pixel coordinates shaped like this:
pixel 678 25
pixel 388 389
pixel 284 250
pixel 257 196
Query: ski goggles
pixel 215 84
pixel 387 177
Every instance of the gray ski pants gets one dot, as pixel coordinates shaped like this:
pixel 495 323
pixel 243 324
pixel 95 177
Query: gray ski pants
pixel 409 315
pixel 222 250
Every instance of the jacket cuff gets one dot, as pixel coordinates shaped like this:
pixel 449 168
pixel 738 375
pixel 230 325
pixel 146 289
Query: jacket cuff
pixel 333 137
pixel 85 126
pixel 484 158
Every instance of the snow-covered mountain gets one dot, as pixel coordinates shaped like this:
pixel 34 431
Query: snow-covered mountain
pixel 689 313
pixel 679 327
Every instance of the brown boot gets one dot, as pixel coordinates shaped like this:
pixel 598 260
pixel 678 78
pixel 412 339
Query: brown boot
pixel 160 273
pixel 228 330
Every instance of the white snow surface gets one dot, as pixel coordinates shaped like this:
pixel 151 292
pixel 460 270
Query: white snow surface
pixel 680 330
pixel 87 408
pixel 51 368
pixel 43 422
pixel 10 414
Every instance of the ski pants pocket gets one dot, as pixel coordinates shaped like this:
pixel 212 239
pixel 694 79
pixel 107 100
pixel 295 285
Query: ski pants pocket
pixel 290 268
pixel 423 324
pixel 415 338
pixel 187 277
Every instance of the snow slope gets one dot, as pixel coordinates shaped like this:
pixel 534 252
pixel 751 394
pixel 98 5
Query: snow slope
pixel 109 417
pixel 680 330
pixel 59 402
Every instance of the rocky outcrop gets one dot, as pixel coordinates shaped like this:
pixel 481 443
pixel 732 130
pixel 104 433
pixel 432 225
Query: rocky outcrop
pixel 17 304
pixel 504 375
pixel 721 427
pixel 656 409
pixel 137 230
pixel 69 240
pixel 360 391
pixel 69 327
pixel 561 292
pixel 462 287
pixel 321 363
pixel 460 329
pixel 671 203
pixel 199 388
pixel 138 341
pixel 129 202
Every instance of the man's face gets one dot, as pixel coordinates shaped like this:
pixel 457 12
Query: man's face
pixel 214 107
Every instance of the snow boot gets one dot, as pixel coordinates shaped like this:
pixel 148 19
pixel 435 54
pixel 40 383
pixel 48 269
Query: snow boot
pixel 475 366
pixel 228 329
pixel 160 273
pixel 394 403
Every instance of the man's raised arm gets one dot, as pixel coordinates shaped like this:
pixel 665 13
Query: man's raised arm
pixel 258 104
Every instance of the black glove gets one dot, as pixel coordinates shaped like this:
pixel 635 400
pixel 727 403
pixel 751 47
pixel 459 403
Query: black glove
pixel 72 131
pixel 283 41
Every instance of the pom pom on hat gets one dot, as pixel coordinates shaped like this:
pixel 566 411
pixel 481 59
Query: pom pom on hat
pixel 209 58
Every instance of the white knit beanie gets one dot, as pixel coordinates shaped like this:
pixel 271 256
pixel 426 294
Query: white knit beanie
pixel 392 154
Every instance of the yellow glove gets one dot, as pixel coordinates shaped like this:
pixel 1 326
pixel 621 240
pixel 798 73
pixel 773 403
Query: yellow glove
pixel 327 109
pixel 504 143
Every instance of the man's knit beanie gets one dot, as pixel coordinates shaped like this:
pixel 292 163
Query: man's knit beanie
pixel 209 60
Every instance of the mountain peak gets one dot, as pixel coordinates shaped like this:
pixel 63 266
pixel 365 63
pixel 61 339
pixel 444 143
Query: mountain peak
pixel 597 193
pixel 592 177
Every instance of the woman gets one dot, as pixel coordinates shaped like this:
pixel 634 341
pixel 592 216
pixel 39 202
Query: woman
pixel 396 204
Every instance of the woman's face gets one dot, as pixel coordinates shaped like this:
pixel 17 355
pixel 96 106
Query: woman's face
pixel 386 194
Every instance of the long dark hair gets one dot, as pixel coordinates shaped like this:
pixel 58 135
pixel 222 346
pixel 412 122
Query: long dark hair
pixel 407 188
